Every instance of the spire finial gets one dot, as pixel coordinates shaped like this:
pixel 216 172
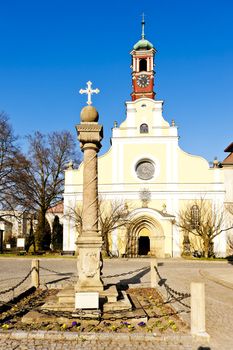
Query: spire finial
pixel 143 25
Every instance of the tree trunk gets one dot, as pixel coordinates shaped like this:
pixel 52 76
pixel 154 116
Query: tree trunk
pixel 40 230
pixel 207 245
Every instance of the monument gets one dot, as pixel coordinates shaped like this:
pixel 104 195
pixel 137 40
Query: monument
pixel 85 296
pixel 89 242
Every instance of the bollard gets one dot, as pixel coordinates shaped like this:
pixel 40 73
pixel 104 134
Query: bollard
pixel 35 273
pixel 198 309
pixel 153 273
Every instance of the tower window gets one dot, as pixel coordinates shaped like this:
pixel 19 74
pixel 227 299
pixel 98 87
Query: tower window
pixel 143 65
pixel 144 129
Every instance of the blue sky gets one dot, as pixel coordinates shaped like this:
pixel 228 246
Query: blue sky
pixel 50 49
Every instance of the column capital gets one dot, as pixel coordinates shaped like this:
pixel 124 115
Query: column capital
pixel 90 134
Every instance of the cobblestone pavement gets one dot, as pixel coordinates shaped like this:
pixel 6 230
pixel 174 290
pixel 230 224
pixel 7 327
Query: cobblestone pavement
pixel 103 341
pixel 178 275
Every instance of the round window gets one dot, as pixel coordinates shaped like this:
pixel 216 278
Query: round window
pixel 145 169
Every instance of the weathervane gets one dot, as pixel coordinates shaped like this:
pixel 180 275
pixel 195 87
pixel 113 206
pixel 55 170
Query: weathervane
pixel 89 91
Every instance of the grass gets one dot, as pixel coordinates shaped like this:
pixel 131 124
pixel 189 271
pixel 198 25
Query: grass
pixel 204 259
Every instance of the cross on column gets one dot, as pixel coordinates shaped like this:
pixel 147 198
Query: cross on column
pixel 89 91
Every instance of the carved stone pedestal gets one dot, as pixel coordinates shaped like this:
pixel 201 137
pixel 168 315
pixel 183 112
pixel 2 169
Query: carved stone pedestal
pixel 89 264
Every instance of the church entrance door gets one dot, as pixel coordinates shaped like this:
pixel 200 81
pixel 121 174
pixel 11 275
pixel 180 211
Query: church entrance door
pixel 143 245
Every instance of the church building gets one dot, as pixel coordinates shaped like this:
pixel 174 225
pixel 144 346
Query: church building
pixel 147 170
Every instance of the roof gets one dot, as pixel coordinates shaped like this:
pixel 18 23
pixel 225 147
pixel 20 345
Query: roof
pixel 229 148
pixel 228 160
pixel 164 214
pixel 143 44
pixel 57 208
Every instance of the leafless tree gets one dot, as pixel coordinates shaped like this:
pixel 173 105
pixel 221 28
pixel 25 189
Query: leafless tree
pixel 112 215
pixel 41 184
pixel 201 220
pixel 12 162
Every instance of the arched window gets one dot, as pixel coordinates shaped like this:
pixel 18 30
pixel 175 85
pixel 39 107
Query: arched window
pixel 144 129
pixel 143 65
pixel 195 216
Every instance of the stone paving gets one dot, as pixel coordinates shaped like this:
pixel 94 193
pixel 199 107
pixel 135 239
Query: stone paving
pixel 71 341
pixel 178 275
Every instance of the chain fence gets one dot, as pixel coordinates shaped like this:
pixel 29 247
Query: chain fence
pixel 172 294
pixel 13 289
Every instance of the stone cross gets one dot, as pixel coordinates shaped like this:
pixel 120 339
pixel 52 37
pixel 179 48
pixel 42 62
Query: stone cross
pixel 89 91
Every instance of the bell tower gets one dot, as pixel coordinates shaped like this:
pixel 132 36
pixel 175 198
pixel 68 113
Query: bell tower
pixel 143 67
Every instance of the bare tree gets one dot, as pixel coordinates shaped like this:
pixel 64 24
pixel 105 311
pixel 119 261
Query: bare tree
pixel 201 220
pixel 12 162
pixel 41 183
pixel 111 215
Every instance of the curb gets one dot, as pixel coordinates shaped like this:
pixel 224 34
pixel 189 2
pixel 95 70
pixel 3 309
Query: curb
pixel 71 336
pixel 215 279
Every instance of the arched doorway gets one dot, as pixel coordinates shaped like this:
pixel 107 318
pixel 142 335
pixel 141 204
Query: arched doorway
pixel 145 237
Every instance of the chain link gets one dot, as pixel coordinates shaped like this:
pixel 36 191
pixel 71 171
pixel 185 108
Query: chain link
pixel 55 272
pixel 172 292
pixel 103 276
pixel 126 273
pixel 87 314
pixel 18 284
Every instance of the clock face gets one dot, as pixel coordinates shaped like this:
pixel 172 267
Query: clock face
pixel 143 80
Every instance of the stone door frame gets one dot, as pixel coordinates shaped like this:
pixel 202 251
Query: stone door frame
pixel 144 219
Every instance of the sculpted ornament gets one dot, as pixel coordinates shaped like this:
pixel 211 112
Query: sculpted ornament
pixel 90 264
pixel 145 170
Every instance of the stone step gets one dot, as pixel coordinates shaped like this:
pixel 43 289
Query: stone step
pixel 58 307
pixel 111 293
pixel 123 304
pixel 136 315
pixel 66 296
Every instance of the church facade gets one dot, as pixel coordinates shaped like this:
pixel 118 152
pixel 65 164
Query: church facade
pixel 147 170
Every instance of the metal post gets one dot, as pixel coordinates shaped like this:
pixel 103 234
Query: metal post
pixel 35 273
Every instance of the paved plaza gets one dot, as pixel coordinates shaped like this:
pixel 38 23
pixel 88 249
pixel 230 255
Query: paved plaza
pixel 177 274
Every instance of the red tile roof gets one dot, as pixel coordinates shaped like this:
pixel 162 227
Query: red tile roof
pixel 228 160
pixel 57 208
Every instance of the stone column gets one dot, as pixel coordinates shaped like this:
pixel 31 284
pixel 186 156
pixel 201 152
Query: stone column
pixel 89 242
